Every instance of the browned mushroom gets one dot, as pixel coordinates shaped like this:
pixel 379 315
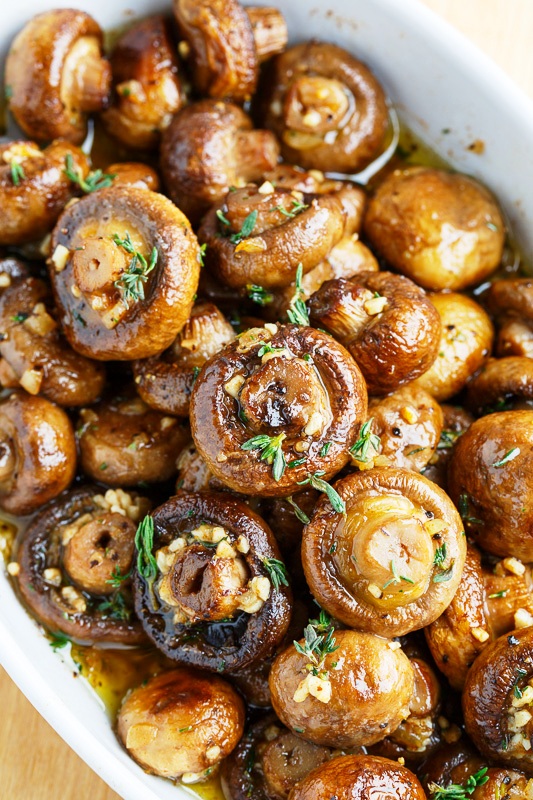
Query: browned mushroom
pixel 124 268
pixel 277 409
pixel 515 338
pixel 385 321
pixel 133 173
pixel 455 422
pixel 490 479
pixel 497 697
pixel 210 588
pixel 123 442
pixel 34 188
pixel 225 43
pixel 37 452
pixel 57 74
pixel 75 560
pixel 260 235
pixel 147 86
pixel 35 356
pixel 165 381
pixel 12 269
pixel 443 230
pixel 193 472
pixel 351 689
pixel 511 301
pixel 502 383
pixel 326 107
pixel 393 563
pixel 466 341
pixel 359 778
pixel 181 724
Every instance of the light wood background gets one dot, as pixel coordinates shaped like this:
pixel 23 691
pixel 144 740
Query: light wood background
pixel 35 764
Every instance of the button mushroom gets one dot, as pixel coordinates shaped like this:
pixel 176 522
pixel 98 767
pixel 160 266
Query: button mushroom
pixel 326 107
pixel 57 74
pixel 501 384
pixel 511 301
pixel 133 173
pixel 124 266
pixel 277 410
pixel 456 420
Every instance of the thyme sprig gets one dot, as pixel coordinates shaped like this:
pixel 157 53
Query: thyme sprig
pixel 464 511
pixel 258 294
pixel 298 513
pixel 319 642
pixel 323 486
pixel 117 578
pixel 297 312
pixel 131 282
pixel 296 208
pixel 247 227
pixel 367 440
pixel 509 456
pixel 457 792
pixel 271 451
pixel 17 173
pixel 440 555
pixel 277 572
pixel 396 577
pixel 144 542
pixel 97 179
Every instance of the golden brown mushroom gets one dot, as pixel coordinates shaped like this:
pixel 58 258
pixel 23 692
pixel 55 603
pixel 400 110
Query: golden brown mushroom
pixel 57 75
pixel 165 381
pixel 501 384
pixel 124 266
pixel 385 321
pixel 326 107
pixel 393 563
pixel 277 409
pixel 37 452
pixel 133 173
pixel 209 147
pixel 225 42
pixel 511 301
pixel 35 356
pixel 181 724
pixel 443 230
pixel 146 82
pixel 490 479
pixel 34 187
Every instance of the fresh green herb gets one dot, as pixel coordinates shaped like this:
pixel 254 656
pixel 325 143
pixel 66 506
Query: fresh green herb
pixel 258 294
pixel 297 207
pixel 220 216
pixel 322 486
pixel 296 462
pixel 333 549
pixel 297 312
pixel 440 556
pixel 464 511
pixel 17 173
pixel 319 642
pixel 186 729
pixel 201 254
pixel 324 450
pixel 131 282
pixel 491 226
pixel 195 373
pixel 117 578
pixel 58 641
pixel 247 227
pixel 456 792
pixel 509 456
pixel 103 466
pixel 221 666
pixel 498 594
pixel 367 440
pixel 396 578
pixel 114 606
pixel 445 575
pixel 517 691
pixel 298 730
pixel 416 450
pixel 211 545
pixel 20 317
pixel 277 572
pixel 271 451
pixel 300 515
pixel 79 318
pixel 447 439
pixel 267 348
pixel 8 92
pixel 144 542
pixel 95 180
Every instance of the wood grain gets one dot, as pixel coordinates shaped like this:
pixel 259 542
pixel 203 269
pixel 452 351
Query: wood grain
pixel 34 762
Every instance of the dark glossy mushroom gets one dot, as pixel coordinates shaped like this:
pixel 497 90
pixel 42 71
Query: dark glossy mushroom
pixel 181 724
pixel 37 452
pixel 165 381
pixel 209 147
pixel 57 74
pixel 134 173
pixel 501 383
pixel 326 107
pixel 443 230
pixel 386 322
pixel 261 234
pixel 515 338
pixel 75 559
pixel 456 420
pixel 12 269
pixel 123 442
pixel 193 473
pixel 34 188
pixel 511 302
pixel 124 268
pixel 393 563
pixel 147 87
pixel 490 479
pixel 276 407
pixel 35 356
pixel 212 591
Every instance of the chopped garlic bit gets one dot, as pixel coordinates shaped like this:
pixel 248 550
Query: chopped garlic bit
pixel 196 777
pixel 209 533
pixel 266 188
pixel 514 566
pixel 255 245
pixel 314 685
pixel 480 634
pixel 13 568
pixel 120 502
pixel 271 328
pixel 5 280
pixel 243 545
pixel 52 575
pixel 40 322
pixel 225 550
pixel 184 49
pixel 409 414
pixel 434 526
pixel 523 618
pixel 375 305
pixel 213 753
pixel 315 424
pixel 312 119
pixel 60 257
pixel 74 599
pixel 374 590
pixel 257 592
pixel 234 385
pixel 167 422
pixel 31 380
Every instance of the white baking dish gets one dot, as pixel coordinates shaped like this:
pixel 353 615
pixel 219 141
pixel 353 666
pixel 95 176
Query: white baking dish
pixel 439 82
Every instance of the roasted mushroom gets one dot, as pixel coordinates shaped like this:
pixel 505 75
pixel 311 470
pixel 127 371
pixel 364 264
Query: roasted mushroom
pixel 12 269
pixel 359 778
pixel 56 75
pixel 511 301
pixel 277 410
pixel 385 321
pixel 133 173
pixel 225 42
pixel 123 442
pixel 75 560
pixel 443 230
pixel 146 82
pixel 37 452
pixel 260 234
pixel 502 383
pixel 326 107
pixel 124 268
pixel 193 473
pixel 181 724
pixel 210 588
pixel 209 147
pixel 466 341
pixel 490 479
pixel 456 420
pixel 165 382
pixel 34 188
pixel 35 356
pixel 393 562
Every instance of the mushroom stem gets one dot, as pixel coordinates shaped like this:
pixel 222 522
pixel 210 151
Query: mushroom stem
pixel 8 458
pixel 91 76
pixel 269 29
pixel 257 151
pixel 97 265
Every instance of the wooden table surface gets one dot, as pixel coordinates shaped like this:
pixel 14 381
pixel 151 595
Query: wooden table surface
pixel 35 764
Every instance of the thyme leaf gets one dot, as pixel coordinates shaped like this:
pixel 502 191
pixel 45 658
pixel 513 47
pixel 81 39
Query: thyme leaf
pixel 258 294
pixel 97 179
pixel 366 441
pixel 277 572
pixel 144 542
pixel 131 282
pixel 323 486
pixel 297 312
pixel 271 451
